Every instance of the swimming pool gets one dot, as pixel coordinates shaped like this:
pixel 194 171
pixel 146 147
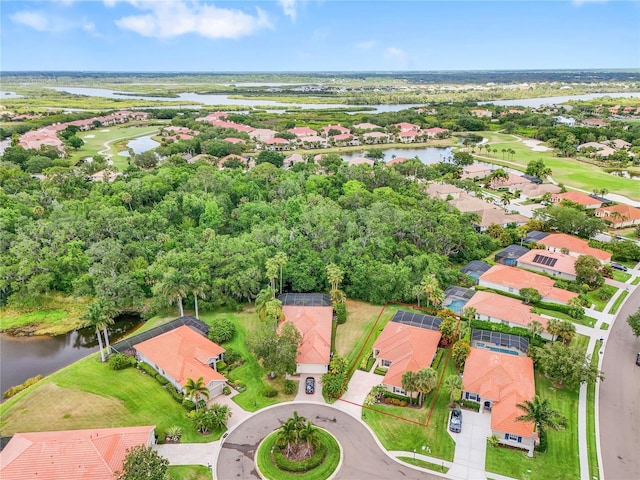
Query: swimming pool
pixel 502 350
pixel 456 305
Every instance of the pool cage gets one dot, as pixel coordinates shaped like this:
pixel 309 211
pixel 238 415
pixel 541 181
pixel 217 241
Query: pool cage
pixel 497 339
pixel 417 320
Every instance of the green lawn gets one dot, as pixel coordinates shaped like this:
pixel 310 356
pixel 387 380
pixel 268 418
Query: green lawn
pixel 635 281
pixel 568 171
pixel 586 320
pixel 560 461
pixel 53 315
pixel 580 341
pixel 594 472
pixel 621 277
pixel 424 464
pixel 271 472
pixel 616 305
pixel 601 296
pixel 88 394
pixel 604 326
pixel 251 373
pixel 396 434
pixel 189 472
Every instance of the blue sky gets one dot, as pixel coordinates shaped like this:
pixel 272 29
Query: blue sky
pixel 318 35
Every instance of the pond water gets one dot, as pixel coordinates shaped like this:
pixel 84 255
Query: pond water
pixel 25 357
pixel 142 144
pixel 5 94
pixel 426 155
pixel 625 174
pixel 539 102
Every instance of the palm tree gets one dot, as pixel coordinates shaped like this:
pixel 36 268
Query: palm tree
pixel 198 286
pixel 309 435
pixel 417 291
pixel 262 299
pixel 287 435
pixel 431 289
pixel 335 276
pixel 272 273
pixel 280 260
pixel 426 380
pixel 469 314
pixel 195 389
pixel 453 383
pixel 379 391
pixel 536 328
pixel 99 315
pixel 173 287
pixel 540 413
pixel 567 331
pixel 409 382
pixel 553 327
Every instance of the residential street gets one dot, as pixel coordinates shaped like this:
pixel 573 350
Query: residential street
pixel 620 398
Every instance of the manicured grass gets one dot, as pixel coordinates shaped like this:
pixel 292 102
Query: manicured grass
pixel 594 472
pixel 88 394
pixel 594 296
pixel 424 464
pixel 568 171
pixel 560 461
pixel 251 373
pixel 586 320
pixel 54 315
pixel 398 434
pixel 616 305
pixel 604 326
pixel 580 341
pixel 360 318
pixel 323 471
pixel 635 281
pixel 189 472
pixel 621 277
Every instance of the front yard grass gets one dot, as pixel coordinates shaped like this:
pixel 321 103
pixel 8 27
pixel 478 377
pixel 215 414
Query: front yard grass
pixel 88 394
pixel 586 320
pixel 621 277
pixel 189 472
pixel 594 471
pixel 635 281
pixel 616 305
pixel 400 435
pixel 424 464
pixel 560 461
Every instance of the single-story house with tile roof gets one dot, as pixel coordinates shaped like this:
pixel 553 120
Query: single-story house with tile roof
pixel 619 216
pixel 292 159
pixel 595 122
pixel 361 161
pixel 552 263
pixel 313 141
pixel 619 144
pixel 402 348
pixel 436 132
pixel 512 279
pixel 510 255
pixel 183 353
pixel 406 127
pixel 276 144
pixel 574 246
pixel 232 156
pixel 366 126
pixel 475 171
pixel 409 136
pixel 91 454
pixel 499 382
pixel 443 190
pixel 513 182
pixel 303 132
pixel 576 197
pixel 533 190
pixel 482 113
pixel 599 149
pixel 375 137
pixel 262 134
pixel 314 325
pixel 396 160
pixel 338 128
pixel 493 215
pixel 497 308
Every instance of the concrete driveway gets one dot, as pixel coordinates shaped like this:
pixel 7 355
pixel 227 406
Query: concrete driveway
pixel 471 446
pixel 359 387
pixel 302 395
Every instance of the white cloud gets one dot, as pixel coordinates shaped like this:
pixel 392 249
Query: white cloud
pixel 290 8
pixel 366 45
pixel 168 19
pixel 397 55
pixel 40 21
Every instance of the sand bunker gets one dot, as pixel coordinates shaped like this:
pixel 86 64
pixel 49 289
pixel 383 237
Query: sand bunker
pixel 535 146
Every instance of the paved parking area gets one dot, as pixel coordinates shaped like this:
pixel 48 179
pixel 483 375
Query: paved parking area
pixel 471 446
pixel 359 387
pixel 302 395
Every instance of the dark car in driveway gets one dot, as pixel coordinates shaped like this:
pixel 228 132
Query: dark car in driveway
pixel 455 422
pixel 619 266
pixel 310 385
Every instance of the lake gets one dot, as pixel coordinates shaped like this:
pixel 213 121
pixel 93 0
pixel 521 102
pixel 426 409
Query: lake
pixel 426 155
pixel 25 357
pixel 539 102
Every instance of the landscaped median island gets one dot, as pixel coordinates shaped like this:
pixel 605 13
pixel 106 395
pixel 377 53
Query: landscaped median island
pixel 298 449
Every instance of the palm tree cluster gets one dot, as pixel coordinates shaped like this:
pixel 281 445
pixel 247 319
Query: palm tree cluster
pixel 100 315
pixel 540 413
pixel 297 438
pixel 422 382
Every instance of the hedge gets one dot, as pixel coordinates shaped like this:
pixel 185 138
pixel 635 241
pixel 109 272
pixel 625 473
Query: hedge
pixel 470 404
pixel 178 396
pixel 161 380
pixel 284 463
pixel 146 368
pixel 396 396
pixel 269 392
pixel 380 371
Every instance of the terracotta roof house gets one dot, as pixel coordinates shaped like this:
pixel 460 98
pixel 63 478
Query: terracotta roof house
pixel 404 348
pixel 183 353
pixel 550 263
pixel 409 136
pixel 361 161
pixel 314 324
pixel 213 116
pixel 497 308
pixel 482 113
pixel 396 160
pixel 366 126
pixel 277 144
pixel 262 134
pixel 292 159
pixel 303 132
pixel 106 175
pixel 512 182
pixel 375 137
pixel 435 132
pixel 511 280
pixel 499 382
pixel 344 139
pixel 493 215
pixel 239 127
pixel 234 140
pixel 556 242
pixel 313 141
pixel 443 190
pixel 619 216
pixel 595 122
pixel 619 144
pixel 92 454
pixel 532 190
pixel 231 156
pixel 339 128
pixel 577 197
pixel 406 127
pixel 475 171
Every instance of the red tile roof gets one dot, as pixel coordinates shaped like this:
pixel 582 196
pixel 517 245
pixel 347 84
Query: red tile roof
pixel 576 197
pixel 575 245
pixel 504 379
pixel 517 279
pixel 183 353
pixel 625 213
pixel 302 131
pixel 93 454
pixel 314 324
pixel 408 348
pixel 504 308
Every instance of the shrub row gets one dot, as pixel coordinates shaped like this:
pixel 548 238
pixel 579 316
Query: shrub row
pixel 18 388
pixel 120 361
pixel 380 371
pixel 269 392
pixel 146 368
pixel 396 402
pixel 470 404
pixel 285 464
pixel 396 396
pixel 367 363
pixel 178 396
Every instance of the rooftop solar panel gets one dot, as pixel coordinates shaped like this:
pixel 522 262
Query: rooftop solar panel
pixel 544 260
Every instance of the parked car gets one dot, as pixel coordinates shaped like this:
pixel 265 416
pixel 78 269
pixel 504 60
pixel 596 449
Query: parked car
pixel 310 385
pixel 619 266
pixel 455 422
pixel 638 359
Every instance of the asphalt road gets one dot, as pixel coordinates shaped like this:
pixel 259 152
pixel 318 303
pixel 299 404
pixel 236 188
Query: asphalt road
pixel 363 459
pixel 620 399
